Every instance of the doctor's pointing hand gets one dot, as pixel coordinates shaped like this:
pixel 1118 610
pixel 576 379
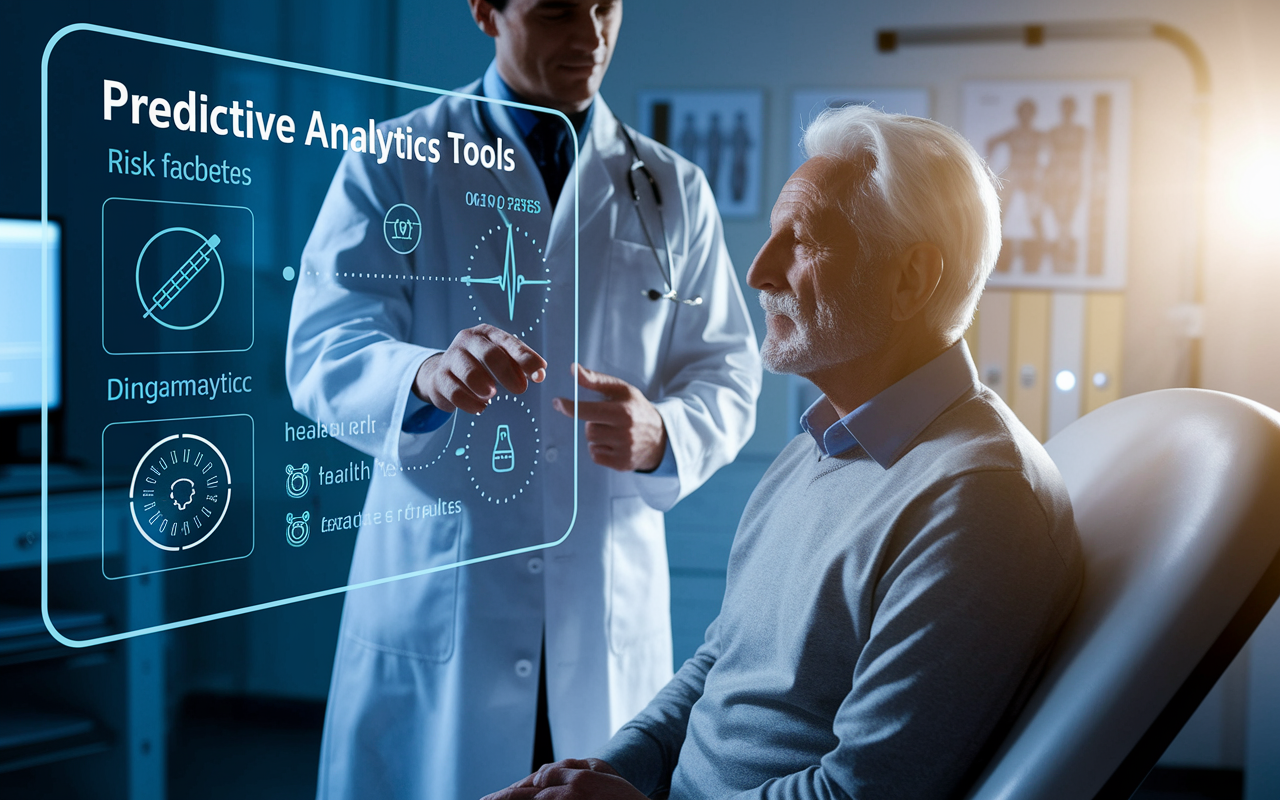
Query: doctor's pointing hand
pixel 624 431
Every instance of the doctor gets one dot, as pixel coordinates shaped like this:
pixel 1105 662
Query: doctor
pixel 454 684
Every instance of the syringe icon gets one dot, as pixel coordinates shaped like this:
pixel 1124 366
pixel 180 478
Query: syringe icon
pixel 183 276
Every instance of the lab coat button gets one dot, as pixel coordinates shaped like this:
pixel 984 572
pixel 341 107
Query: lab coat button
pixel 535 566
pixel 552 455
pixel 524 668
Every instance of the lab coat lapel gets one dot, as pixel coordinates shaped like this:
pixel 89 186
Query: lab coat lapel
pixel 594 187
pixel 524 181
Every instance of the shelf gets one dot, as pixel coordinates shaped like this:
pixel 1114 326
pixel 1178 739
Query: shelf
pixel 30 738
pixel 23 637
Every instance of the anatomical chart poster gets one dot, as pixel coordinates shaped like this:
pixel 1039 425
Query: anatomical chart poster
pixel 1061 149
pixel 720 131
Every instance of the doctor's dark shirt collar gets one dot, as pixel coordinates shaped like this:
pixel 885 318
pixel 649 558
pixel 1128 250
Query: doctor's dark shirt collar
pixel 887 424
pixel 524 119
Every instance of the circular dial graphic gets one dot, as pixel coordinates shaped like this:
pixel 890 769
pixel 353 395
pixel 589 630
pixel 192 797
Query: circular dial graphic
pixel 509 279
pixel 180 492
pixel 502 448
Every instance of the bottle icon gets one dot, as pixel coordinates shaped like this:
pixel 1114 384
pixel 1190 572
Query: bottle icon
pixel 504 455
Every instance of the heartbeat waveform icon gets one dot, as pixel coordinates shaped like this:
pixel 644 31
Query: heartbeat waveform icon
pixel 510 281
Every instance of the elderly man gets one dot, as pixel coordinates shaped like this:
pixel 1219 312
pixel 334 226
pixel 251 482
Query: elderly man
pixel 904 566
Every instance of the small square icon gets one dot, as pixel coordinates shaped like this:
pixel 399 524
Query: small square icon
pixel 176 277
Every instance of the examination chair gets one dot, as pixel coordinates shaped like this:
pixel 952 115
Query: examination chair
pixel 1177 497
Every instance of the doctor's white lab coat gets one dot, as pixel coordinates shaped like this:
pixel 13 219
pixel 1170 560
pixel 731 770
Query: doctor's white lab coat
pixel 435 681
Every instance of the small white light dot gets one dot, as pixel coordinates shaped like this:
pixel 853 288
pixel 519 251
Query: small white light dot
pixel 1065 380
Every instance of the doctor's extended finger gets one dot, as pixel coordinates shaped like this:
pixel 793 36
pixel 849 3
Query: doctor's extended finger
pixel 452 394
pixel 602 382
pixel 473 373
pixel 610 412
pixel 531 364
pixel 500 364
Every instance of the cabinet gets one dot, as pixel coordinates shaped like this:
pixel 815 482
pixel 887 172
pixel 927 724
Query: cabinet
pixel 76 722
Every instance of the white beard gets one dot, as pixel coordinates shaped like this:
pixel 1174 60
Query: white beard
pixel 836 332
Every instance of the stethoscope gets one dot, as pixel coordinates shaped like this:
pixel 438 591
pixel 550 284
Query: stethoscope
pixel 637 165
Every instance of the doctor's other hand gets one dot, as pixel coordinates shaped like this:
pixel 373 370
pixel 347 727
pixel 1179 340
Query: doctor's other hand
pixel 624 431
pixel 571 779
pixel 467 375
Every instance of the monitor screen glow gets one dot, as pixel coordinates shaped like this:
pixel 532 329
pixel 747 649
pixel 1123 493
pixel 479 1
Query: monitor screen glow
pixel 20 318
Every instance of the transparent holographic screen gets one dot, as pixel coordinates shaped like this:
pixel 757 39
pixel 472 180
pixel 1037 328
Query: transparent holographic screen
pixel 220 446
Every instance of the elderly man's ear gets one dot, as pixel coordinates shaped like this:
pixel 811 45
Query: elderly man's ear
pixel 914 279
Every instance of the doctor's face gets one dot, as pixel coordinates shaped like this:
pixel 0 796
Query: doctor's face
pixel 554 52
pixel 820 287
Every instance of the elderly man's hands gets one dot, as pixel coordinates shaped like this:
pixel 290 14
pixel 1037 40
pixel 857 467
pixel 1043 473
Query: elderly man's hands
pixel 624 430
pixel 571 779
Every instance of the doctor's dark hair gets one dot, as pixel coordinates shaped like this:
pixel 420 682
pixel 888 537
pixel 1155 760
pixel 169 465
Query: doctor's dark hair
pixel 924 183
pixel 500 5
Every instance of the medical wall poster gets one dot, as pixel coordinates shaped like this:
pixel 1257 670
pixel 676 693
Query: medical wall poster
pixel 1061 149
pixel 807 104
pixel 209 197
pixel 720 131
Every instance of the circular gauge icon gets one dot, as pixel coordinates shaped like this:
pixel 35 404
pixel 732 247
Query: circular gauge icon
pixel 509 279
pixel 180 278
pixel 501 449
pixel 180 492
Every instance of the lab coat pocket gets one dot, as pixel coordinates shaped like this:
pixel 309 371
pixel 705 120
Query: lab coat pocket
pixel 634 327
pixel 638 585
pixel 413 617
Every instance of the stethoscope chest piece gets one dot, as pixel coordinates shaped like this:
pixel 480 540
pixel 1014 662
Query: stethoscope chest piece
pixel 638 165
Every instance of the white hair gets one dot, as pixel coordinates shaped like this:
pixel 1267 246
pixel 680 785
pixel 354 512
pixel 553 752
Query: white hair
pixel 924 183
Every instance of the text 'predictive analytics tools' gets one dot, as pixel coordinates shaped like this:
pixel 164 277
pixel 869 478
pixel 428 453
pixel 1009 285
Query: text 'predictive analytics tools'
pixel 179 173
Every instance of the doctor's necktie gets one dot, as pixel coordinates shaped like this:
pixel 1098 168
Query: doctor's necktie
pixel 549 144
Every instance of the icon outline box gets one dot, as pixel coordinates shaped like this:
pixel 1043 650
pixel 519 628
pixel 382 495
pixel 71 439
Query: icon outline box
pixel 253 331
pixel 253 498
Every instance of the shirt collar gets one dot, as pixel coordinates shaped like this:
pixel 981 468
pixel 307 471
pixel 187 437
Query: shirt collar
pixel 524 119
pixel 887 424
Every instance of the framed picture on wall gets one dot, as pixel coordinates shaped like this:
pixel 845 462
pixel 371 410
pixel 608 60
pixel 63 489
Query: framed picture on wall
pixel 807 104
pixel 720 131
pixel 1061 149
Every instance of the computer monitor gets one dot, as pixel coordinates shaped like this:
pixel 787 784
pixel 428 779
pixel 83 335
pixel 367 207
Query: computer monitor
pixel 21 337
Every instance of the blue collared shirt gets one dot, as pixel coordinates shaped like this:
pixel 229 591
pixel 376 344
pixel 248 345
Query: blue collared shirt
pixel 494 86
pixel 887 424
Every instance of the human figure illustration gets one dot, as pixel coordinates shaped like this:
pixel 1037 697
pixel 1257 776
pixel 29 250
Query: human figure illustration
pixel 739 145
pixel 182 492
pixel 715 143
pixel 1023 175
pixel 1064 182
pixel 689 139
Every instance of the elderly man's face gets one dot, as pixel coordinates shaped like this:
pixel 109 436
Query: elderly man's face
pixel 555 52
pixel 821 292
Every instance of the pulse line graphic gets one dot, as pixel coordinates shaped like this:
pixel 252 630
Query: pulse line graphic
pixel 510 281
pixel 183 276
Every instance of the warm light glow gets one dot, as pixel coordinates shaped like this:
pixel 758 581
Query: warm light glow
pixel 1254 187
